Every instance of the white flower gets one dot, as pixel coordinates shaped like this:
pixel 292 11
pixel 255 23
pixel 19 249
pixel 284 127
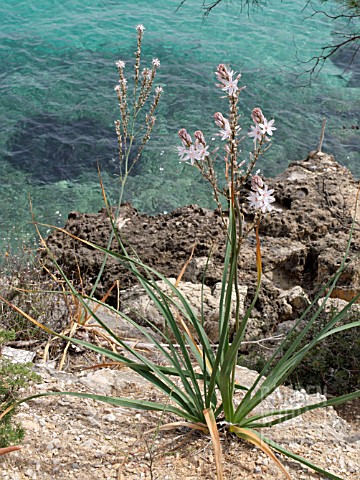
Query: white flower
pixel 254 200
pixel 202 151
pixel 267 127
pixel 182 152
pixel 191 154
pixel 225 132
pixel 227 82
pixel 120 64
pixel 117 88
pixel 261 199
pixel 256 132
pixel 225 129
pixel 156 62
pixel 146 73
pixel 158 90
pixel 266 198
pixel 229 86
pixel 140 28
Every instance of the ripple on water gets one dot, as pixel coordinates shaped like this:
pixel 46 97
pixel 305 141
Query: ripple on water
pixel 58 105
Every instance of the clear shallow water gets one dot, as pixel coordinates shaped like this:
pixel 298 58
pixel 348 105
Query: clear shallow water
pixel 57 106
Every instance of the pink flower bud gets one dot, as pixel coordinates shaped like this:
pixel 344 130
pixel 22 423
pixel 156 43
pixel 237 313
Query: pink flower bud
pixel 219 120
pixel 199 136
pixel 257 115
pixel 222 72
pixel 256 182
pixel 185 137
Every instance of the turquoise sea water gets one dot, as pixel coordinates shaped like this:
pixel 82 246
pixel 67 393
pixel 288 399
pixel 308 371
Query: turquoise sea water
pixel 57 74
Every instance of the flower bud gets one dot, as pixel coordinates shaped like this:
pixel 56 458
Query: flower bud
pixel 256 182
pixel 219 120
pixel 222 72
pixel 199 136
pixel 257 115
pixel 185 137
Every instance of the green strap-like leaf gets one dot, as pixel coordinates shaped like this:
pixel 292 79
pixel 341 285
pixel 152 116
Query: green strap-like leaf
pixel 288 414
pixel 117 401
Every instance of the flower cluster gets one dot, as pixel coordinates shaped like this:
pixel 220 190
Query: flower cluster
pixel 143 82
pixel 225 128
pixel 227 83
pixel 261 197
pixel 196 152
pixel 192 151
pixel 261 126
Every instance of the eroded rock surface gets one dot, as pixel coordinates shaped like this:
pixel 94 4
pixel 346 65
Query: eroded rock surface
pixel 303 242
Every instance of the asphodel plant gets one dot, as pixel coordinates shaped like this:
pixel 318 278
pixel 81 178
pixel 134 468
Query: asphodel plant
pixel 199 379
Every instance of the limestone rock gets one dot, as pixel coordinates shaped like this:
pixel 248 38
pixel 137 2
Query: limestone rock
pixel 136 303
pixel 107 382
pixel 17 355
pixel 303 241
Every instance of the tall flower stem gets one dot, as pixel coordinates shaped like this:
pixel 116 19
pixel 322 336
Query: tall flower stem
pixel 126 130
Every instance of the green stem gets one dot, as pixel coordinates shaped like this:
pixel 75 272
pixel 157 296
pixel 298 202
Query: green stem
pixel 117 213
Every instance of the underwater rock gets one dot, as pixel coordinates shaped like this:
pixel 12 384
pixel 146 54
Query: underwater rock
pixel 348 60
pixel 50 151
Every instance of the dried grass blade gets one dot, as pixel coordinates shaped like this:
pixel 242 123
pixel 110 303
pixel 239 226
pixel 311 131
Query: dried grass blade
pixel 172 426
pixel 214 432
pixel 5 450
pixel 178 280
pixel 253 438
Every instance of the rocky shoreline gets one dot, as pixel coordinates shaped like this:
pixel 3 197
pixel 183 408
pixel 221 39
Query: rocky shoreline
pixel 303 242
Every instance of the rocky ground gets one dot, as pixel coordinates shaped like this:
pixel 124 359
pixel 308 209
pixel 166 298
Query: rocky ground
pixel 69 438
